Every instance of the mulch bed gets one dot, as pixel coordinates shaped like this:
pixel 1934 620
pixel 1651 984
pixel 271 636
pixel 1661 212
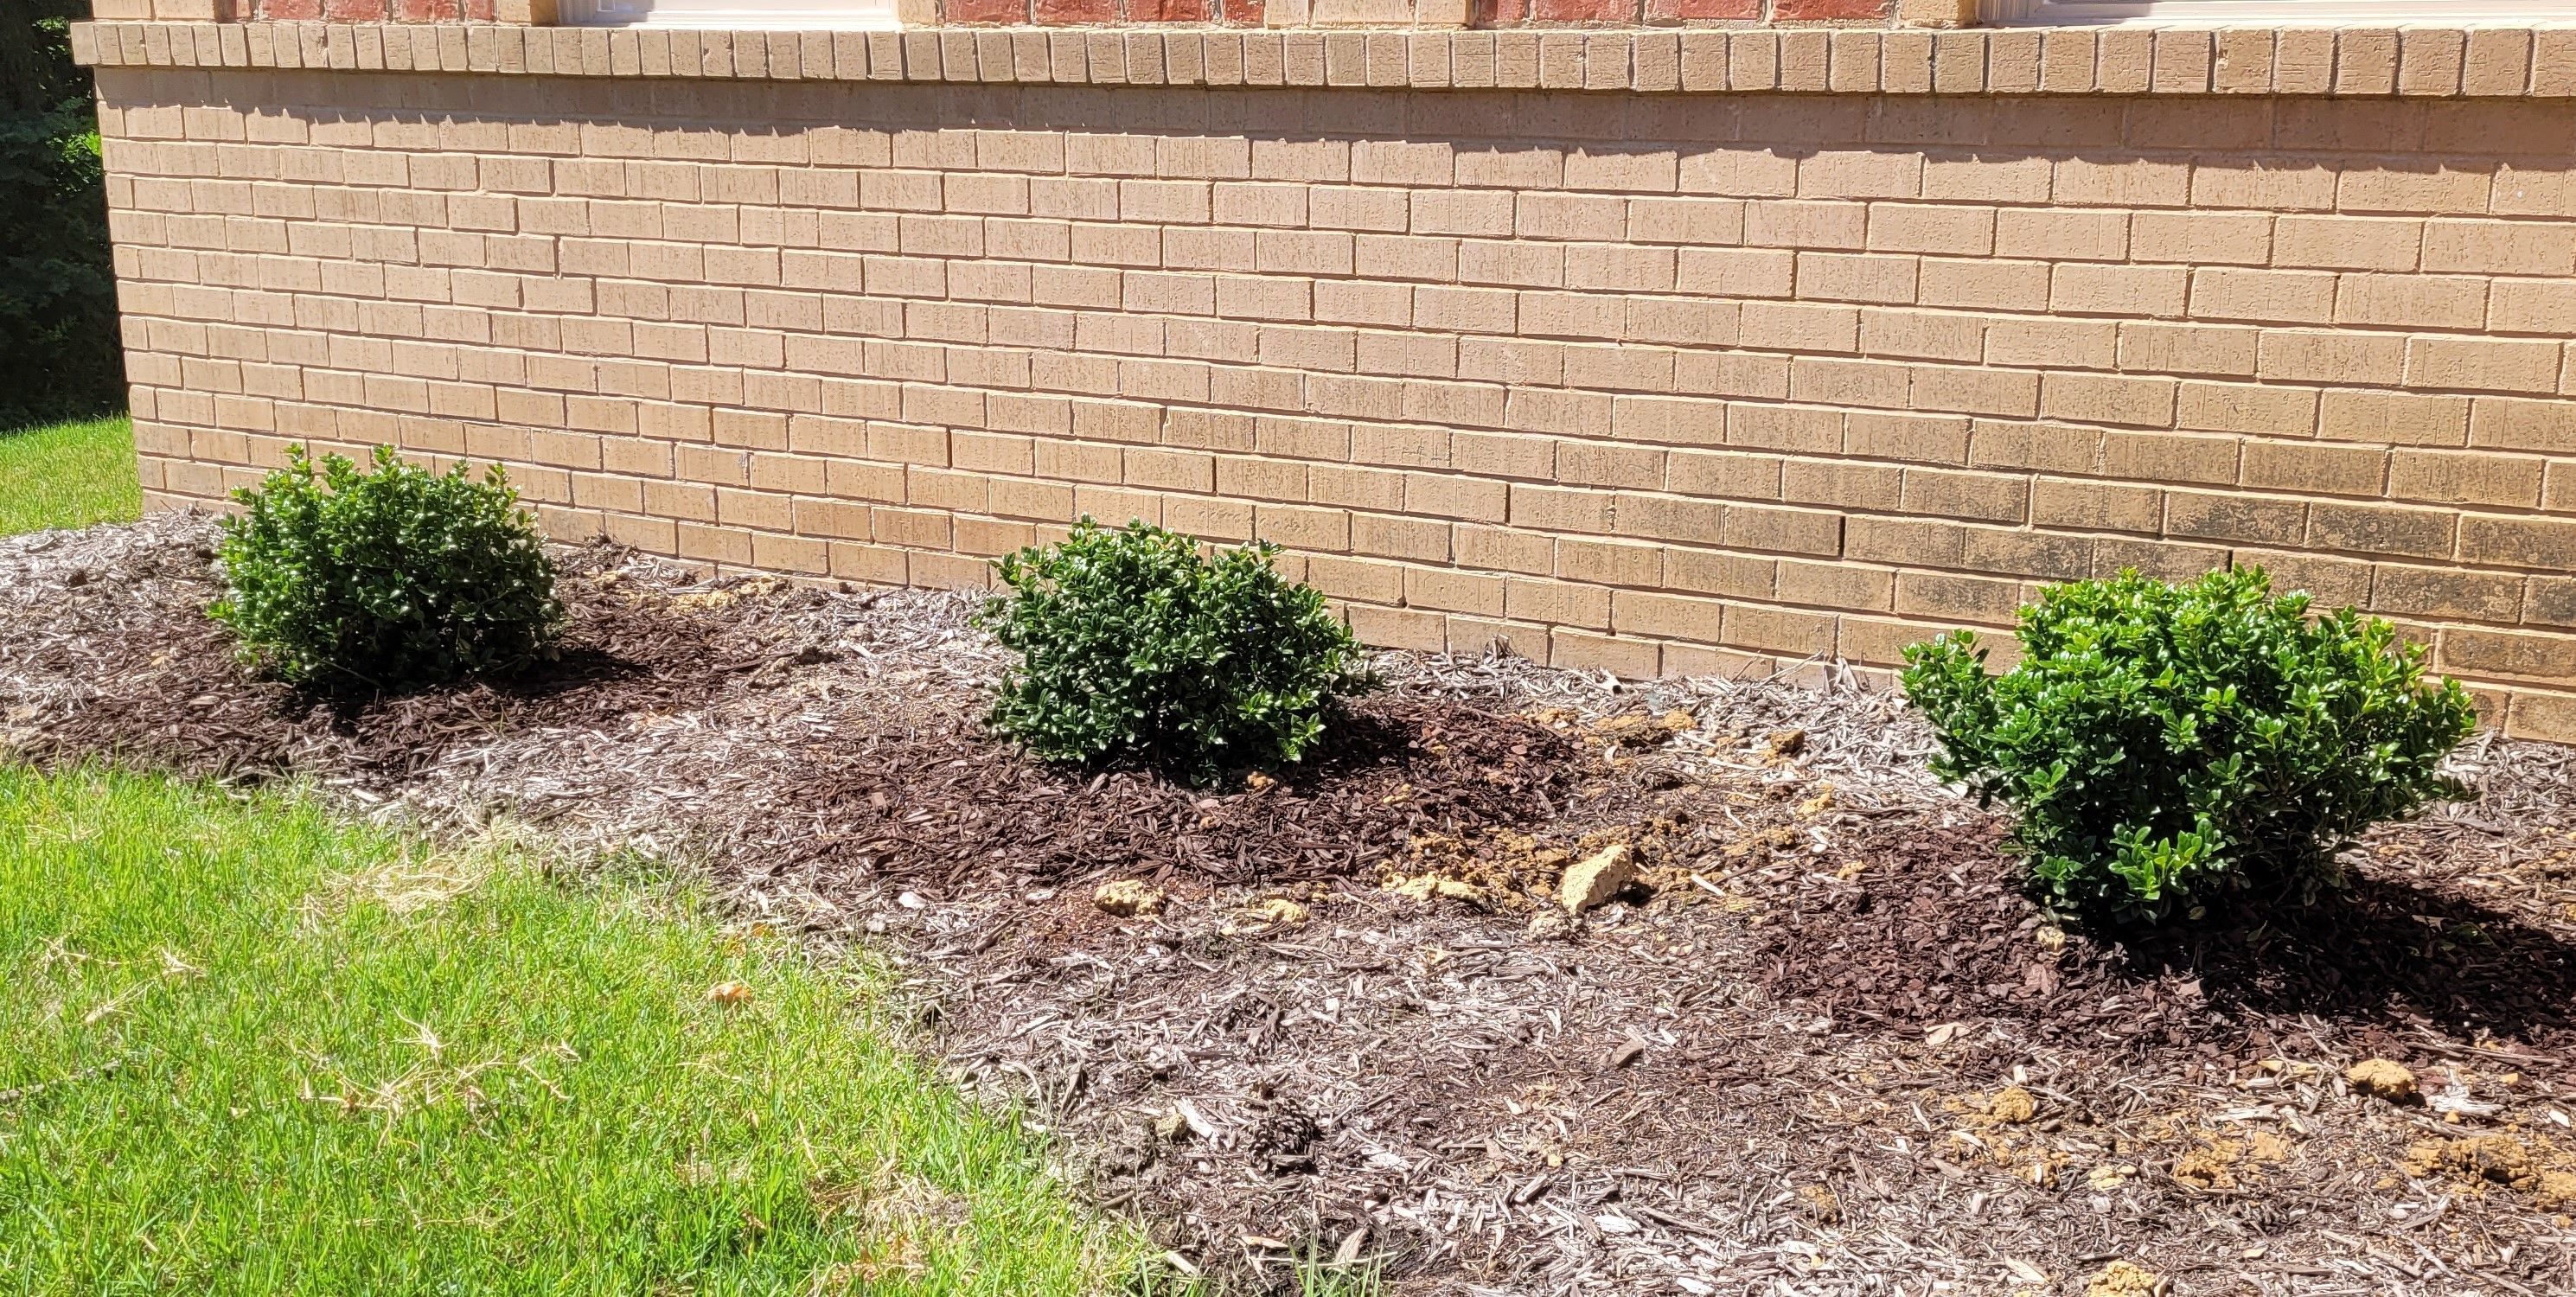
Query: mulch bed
pixel 1937 930
pixel 2414 968
pixel 1825 1046
pixel 172 693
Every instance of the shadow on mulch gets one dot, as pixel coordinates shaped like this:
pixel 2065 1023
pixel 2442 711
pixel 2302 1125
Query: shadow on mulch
pixel 2384 955
pixel 944 803
pixel 1937 929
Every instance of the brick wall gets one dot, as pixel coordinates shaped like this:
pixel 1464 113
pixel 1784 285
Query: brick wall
pixel 346 11
pixel 1411 14
pixel 1652 382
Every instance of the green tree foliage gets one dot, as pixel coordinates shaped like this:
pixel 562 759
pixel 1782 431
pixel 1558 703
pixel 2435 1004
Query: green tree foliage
pixel 385 579
pixel 1135 646
pixel 57 285
pixel 2161 743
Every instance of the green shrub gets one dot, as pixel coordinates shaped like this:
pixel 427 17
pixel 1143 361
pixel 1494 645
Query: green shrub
pixel 2161 743
pixel 388 578
pixel 1136 647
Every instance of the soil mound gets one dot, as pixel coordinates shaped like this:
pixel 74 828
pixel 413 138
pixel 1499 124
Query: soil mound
pixel 1936 929
pixel 944 803
pixel 161 683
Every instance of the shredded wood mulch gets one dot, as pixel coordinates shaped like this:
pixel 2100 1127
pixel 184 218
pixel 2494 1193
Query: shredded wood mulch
pixel 946 806
pixel 1822 1045
pixel 1931 931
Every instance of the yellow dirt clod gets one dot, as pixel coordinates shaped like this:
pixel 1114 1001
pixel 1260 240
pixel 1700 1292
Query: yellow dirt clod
pixel 2013 1105
pixel 2121 1279
pixel 2381 1079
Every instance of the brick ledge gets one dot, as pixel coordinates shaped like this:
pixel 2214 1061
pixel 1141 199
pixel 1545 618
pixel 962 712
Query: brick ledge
pixel 2410 62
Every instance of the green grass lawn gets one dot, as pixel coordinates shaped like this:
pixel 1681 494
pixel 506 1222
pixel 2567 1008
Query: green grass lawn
pixel 246 1047
pixel 68 475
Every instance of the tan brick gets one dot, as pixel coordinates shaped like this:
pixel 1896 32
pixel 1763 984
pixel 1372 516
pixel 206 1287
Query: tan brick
pixel 1628 658
pixel 1922 334
pixel 2216 516
pixel 2445 594
pixel 2550 717
pixel 2399 418
pixel 2014 444
pixel 1945 597
pixel 2108 398
pixel 2499 247
pixel 2119 290
pixel 2311 468
pixel 2169 457
pixel 2546 543
pixel 1983 285
pixel 2060 234
pixel 2505 653
pixel 2222 293
pixel 1795 531
pixel 2547 600
pixel 2187 348
pixel 1778 629
pixel 2053 342
pixel 1948 230
pixel 1839 483
pixel 2482 364
pixel 1610 562
pixel 1453 591
pixel 2332 582
pixel 1836 585
pixel 2420 301
pixel 1931 439
pixel 2347 243
pixel 2322 357
pixel 2516 424
pixel 1724 474
pixel 2381 529
pixel 1664 616
pixel 2059 502
pixel 2201 238
pixel 1993 497
pixel 2558 490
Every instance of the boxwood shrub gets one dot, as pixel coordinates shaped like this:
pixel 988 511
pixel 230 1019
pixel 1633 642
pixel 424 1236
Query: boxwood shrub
pixel 1135 646
pixel 2160 744
pixel 385 579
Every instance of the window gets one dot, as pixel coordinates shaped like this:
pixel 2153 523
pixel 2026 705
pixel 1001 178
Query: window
pixel 806 14
pixel 2346 12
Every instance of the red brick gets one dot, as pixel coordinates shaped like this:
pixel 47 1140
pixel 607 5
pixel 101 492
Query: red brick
pixel 1244 13
pixel 1167 11
pixel 1682 11
pixel 985 11
pixel 290 10
pixel 354 11
pixel 1065 13
pixel 1582 11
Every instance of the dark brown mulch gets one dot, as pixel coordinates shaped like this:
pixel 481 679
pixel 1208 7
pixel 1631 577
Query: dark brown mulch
pixel 1937 930
pixel 181 698
pixel 944 803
